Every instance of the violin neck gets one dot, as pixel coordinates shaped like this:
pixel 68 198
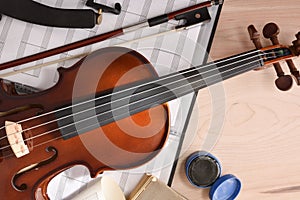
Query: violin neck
pixel 178 84
pixel 220 70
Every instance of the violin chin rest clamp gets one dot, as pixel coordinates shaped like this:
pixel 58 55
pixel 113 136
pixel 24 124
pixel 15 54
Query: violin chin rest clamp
pixel 99 18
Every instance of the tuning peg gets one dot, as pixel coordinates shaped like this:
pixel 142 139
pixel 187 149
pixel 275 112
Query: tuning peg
pixel 283 82
pixel 254 36
pixel 296 50
pixel 270 31
pixel 298 35
pixel 293 70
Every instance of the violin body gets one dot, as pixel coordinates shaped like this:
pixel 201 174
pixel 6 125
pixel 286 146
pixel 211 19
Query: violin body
pixel 122 144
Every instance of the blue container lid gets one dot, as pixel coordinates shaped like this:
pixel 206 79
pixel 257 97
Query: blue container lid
pixel 226 187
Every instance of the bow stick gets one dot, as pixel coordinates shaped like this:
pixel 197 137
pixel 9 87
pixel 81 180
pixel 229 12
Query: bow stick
pixel 191 15
pixel 78 56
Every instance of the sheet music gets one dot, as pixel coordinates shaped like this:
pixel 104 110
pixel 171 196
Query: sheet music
pixel 172 52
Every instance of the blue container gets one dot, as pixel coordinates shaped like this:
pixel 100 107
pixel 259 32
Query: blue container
pixel 203 170
pixel 226 187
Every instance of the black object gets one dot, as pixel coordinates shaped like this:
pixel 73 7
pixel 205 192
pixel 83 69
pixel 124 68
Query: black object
pixel 158 20
pixel 37 13
pixel 194 17
pixel 190 18
pixel 202 169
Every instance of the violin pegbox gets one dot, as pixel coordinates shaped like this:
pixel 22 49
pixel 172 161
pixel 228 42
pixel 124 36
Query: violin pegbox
pixel 275 53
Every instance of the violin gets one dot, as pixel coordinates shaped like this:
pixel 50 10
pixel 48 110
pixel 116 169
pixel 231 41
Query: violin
pixel 107 112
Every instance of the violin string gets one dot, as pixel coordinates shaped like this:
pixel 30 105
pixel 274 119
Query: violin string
pixel 48 132
pixel 59 137
pixel 128 97
pixel 134 102
pixel 135 94
pixel 152 81
pixel 175 88
pixel 118 108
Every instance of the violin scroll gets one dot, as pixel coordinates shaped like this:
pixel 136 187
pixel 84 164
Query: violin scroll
pixel 276 53
pixel 296 44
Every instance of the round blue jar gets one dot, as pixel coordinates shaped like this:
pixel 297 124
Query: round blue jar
pixel 203 170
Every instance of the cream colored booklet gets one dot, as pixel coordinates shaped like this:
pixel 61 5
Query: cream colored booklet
pixel 150 188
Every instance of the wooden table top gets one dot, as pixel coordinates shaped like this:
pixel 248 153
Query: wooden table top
pixel 259 139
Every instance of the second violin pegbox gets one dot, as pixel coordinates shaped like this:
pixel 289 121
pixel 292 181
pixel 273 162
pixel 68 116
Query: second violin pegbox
pixel 277 52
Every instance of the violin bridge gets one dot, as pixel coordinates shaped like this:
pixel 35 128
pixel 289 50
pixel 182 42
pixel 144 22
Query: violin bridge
pixel 15 139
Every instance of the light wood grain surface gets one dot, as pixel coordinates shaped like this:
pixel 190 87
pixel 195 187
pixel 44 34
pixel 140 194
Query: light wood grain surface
pixel 260 137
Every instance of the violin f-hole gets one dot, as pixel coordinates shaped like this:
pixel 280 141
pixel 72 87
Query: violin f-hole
pixel 31 167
